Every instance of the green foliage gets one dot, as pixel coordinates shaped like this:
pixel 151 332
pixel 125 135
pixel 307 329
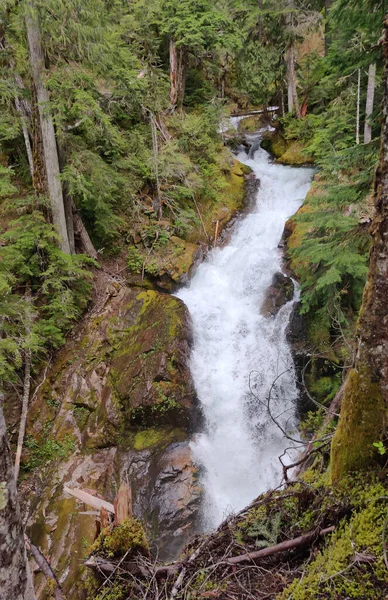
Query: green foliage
pixel 42 453
pixel 265 533
pixel 134 260
pixel 43 291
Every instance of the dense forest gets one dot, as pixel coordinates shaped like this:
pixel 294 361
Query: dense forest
pixel 118 174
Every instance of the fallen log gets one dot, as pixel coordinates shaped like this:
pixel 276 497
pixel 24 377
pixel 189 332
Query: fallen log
pixel 87 498
pixel 302 540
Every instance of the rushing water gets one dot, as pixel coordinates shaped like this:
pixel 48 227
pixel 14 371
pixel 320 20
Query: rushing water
pixel 237 351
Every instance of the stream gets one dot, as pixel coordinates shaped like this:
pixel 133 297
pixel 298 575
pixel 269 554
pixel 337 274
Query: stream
pixel 237 353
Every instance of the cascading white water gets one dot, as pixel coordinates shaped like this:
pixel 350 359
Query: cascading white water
pixel 235 345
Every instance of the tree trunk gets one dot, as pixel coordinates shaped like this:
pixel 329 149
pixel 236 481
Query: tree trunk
pixel 293 102
pixel 358 107
pixel 47 127
pixel 81 232
pixel 15 577
pixel 23 418
pixel 369 103
pixel 177 75
pixel 363 418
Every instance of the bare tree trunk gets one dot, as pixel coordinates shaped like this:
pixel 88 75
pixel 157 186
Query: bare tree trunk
pixel 358 107
pixel 177 75
pixel 293 102
pixel 15 576
pixel 80 230
pixel 363 418
pixel 23 418
pixel 47 127
pixel 157 202
pixel 369 103
pixel 27 142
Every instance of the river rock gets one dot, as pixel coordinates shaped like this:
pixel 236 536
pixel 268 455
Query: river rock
pixel 278 294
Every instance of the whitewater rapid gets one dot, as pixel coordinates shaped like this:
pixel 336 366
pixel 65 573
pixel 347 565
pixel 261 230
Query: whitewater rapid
pixel 234 345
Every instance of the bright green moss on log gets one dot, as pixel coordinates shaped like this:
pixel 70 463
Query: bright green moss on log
pixel 362 422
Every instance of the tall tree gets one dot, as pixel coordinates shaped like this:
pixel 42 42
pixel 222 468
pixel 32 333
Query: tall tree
pixel 15 577
pixel 49 142
pixel 364 415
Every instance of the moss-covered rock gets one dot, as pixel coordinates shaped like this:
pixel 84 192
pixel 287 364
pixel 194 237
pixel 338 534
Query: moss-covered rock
pixel 127 538
pixel 148 371
pixel 287 152
pixel 295 155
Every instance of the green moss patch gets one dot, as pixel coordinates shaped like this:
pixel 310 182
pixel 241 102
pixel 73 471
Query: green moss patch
pixel 127 537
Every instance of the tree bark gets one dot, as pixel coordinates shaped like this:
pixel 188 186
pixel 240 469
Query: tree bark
pixel 358 107
pixel 47 127
pixel 293 102
pixel 363 417
pixel 369 103
pixel 15 577
pixel 81 232
pixel 177 75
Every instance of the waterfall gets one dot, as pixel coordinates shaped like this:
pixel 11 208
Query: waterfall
pixel 238 354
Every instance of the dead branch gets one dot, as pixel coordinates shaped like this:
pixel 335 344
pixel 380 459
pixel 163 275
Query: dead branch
pixel 45 567
pixel 302 540
pixel 23 418
pixel 298 463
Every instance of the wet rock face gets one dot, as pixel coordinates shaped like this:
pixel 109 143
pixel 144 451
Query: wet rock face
pixel 278 294
pixel 118 405
pixel 167 493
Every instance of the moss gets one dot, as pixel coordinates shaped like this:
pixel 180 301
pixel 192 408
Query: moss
pixel 227 204
pixel 275 143
pixel 295 155
pixel 250 124
pixel 363 419
pixel 334 572
pixel 160 437
pixel 115 542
